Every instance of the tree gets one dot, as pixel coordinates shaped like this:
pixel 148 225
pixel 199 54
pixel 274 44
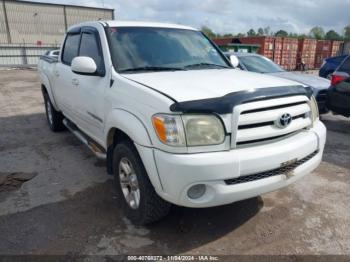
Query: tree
pixel 228 35
pixel 302 36
pixel 317 32
pixel 251 32
pixel 347 32
pixel 293 35
pixel 261 31
pixel 240 35
pixel 208 32
pixel 332 35
pixel 267 30
pixel 281 33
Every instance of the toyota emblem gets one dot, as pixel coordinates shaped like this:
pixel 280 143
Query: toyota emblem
pixel 284 120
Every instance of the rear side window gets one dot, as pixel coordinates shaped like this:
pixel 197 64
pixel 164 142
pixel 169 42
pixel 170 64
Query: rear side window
pixel 338 59
pixel 71 47
pixel 345 67
pixel 89 47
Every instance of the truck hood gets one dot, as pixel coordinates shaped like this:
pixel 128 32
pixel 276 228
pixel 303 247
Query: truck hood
pixel 313 81
pixel 202 84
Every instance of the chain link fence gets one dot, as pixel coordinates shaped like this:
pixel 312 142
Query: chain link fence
pixel 22 55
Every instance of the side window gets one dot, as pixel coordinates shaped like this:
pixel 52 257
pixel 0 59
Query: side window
pixel 71 47
pixel 345 67
pixel 90 47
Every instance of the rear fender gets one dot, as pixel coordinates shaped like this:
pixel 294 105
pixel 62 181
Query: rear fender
pixel 46 86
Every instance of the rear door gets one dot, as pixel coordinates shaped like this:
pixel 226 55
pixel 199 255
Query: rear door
pixel 92 87
pixel 66 89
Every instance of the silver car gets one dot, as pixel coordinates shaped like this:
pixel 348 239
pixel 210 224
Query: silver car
pixel 261 64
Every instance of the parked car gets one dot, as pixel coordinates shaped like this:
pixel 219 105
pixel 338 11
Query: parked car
pixel 261 64
pixel 338 97
pixel 52 53
pixel 329 65
pixel 176 123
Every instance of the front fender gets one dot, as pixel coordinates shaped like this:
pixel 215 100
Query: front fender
pixel 130 124
pixel 133 126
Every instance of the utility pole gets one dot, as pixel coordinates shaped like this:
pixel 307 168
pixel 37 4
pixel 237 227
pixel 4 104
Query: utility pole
pixel 6 23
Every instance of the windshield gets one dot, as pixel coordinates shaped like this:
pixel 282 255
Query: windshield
pixel 259 64
pixel 135 49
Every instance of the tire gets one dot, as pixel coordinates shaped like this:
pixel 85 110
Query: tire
pixel 150 207
pixel 54 118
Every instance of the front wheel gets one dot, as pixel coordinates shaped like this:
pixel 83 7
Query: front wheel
pixel 135 192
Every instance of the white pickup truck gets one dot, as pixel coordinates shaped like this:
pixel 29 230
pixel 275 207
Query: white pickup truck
pixel 174 120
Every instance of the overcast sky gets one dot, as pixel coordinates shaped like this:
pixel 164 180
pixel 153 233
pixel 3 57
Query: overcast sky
pixel 232 16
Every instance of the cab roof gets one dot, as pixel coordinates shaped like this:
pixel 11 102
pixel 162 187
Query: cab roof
pixel 114 23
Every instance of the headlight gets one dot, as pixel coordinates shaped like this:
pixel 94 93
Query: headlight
pixel 190 130
pixel 203 130
pixel 314 109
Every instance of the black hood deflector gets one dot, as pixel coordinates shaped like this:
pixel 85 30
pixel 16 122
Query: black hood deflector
pixel 226 103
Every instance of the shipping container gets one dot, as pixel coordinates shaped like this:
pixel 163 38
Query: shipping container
pixel 323 50
pixel 223 41
pixel 277 52
pixel 306 53
pixel 230 44
pixel 335 49
pixel 289 53
pixel 266 44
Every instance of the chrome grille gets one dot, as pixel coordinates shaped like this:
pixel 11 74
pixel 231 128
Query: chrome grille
pixel 254 122
pixel 275 172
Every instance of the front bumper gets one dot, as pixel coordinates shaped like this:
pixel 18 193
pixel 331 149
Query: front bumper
pixel 178 172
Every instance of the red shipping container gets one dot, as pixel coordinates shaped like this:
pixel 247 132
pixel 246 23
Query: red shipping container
pixel 266 44
pixel 306 53
pixel 323 50
pixel 278 44
pixel 223 41
pixel 289 53
pixel 335 47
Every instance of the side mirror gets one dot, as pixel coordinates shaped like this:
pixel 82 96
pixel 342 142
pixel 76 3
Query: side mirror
pixel 234 61
pixel 84 65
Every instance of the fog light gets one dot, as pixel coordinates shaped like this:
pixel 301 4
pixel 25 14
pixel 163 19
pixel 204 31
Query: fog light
pixel 196 191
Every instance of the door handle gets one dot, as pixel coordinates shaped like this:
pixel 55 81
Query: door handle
pixel 75 81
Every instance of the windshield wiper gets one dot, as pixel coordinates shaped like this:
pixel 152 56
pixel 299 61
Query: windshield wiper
pixel 151 68
pixel 205 65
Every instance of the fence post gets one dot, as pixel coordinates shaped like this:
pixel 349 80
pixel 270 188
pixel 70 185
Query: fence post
pixel 24 55
pixel 6 23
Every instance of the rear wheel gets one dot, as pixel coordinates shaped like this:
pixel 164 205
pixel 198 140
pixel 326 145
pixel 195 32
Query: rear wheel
pixel 135 192
pixel 54 118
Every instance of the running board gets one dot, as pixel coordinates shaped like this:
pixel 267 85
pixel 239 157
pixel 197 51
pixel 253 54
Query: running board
pixel 93 146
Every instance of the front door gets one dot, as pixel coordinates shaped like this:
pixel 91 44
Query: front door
pixel 92 87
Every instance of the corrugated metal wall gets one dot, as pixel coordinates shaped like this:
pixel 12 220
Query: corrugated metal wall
pixel 77 15
pixel 30 23
pixel 33 23
pixel 3 35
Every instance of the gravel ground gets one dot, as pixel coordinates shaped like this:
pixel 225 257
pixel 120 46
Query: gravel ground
pixel 56 198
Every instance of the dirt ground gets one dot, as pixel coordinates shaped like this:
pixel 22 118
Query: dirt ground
pixel 56 198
